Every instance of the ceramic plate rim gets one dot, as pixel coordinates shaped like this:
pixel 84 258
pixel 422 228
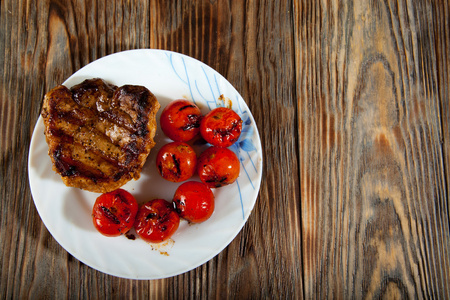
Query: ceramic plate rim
pixel 36 141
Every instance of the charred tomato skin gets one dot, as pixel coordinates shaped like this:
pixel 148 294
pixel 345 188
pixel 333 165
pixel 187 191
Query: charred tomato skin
pixel 217 167
pixel 194 201
pixel 176 161
pixel 114 212
pixel 221 127
pixel 156 221
pixel 180 120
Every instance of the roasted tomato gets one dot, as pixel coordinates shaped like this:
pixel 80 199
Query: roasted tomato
pixel 114 212
pixel 156 221
pixel 176 161
pixel 180 120
pixel 221 127
pixel 194 201
pixel 218 167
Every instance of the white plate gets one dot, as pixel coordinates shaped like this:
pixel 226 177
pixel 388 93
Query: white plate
pixel 66 212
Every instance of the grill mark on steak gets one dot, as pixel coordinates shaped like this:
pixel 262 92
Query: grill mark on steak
pixel 98 143
pixel 89 154
pixel 77 117
pixel 97 137
pixel 99 133
pixel 67 166
pixel 119 157
pixel 90 139
pixel 119 118
pixel 93 91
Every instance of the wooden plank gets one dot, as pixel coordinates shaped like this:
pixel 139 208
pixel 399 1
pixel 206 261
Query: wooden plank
pixel 375 219
pixel 441 11
pixel 250 43
pixel 42 44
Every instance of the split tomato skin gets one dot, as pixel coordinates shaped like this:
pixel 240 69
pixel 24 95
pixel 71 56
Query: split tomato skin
pixel 218 167
pixel 194 201
pixel 221 127
pixel 114 212
pixel 156 221
pixel 176 161
pixel 180 120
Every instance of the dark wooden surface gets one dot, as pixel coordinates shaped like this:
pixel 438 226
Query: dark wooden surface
pixel 351 99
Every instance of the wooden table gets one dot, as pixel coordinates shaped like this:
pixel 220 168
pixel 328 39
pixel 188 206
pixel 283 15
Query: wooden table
pixel 351 99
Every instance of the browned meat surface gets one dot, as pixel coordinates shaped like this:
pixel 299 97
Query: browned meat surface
pixel 99 135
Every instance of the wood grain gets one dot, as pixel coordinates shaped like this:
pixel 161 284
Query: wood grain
pixel 375 217
pixel 247 42
pixel 44 42
pixel 49 40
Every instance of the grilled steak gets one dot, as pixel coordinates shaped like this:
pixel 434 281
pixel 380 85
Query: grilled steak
pixel 99 135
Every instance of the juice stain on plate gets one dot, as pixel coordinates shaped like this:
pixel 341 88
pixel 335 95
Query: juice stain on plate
pixel 164 247
pixel 226 101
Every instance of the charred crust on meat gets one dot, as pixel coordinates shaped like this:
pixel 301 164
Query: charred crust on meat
pixel 99 135
pixel 63 167
pixel 117 176
pixel 142 130
pixel 131 151
pixel 90 91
